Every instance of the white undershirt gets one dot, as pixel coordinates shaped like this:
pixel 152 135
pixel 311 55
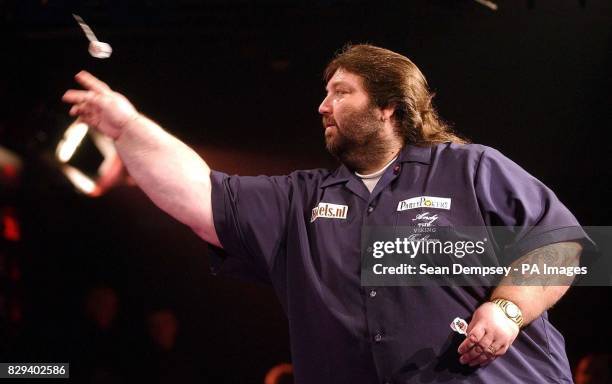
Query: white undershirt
pixel 371 180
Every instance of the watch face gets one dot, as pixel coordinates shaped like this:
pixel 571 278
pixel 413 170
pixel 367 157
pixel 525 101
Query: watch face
pixel 512 310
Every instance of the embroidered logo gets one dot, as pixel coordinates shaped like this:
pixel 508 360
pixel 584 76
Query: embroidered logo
pixel 331 211
pixel 424 202
pixel 425 219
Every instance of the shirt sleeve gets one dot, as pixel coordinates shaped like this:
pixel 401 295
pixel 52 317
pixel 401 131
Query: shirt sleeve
pixel 250 217
pixel 524 213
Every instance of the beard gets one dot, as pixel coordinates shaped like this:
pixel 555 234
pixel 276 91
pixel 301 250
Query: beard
pixel 358 140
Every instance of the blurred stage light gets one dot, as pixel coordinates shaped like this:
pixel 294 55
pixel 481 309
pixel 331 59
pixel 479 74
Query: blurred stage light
pixel 489 4
pixel 89 159
pixel 11 229
pixel 10 169
pixel 81 181
pixel 73 137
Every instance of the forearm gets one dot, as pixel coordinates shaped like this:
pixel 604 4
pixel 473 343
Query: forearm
pixel 535 295
pixel 174 176
pixel 169 172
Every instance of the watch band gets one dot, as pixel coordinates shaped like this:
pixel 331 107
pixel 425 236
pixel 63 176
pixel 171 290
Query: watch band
pixel 511 310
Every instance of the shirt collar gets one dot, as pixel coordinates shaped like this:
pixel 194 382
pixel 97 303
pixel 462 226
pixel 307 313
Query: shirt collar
pixel 410 153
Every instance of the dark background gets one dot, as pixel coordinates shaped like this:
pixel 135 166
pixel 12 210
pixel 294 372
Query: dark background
pixel 241 82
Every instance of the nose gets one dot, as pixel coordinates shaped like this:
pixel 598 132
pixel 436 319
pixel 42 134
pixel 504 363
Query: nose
pixel 325 107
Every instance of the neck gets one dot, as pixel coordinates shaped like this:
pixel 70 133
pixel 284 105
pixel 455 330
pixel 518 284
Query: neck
pixel 376 158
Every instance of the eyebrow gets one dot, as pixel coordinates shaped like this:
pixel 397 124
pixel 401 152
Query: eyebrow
pixel 338 83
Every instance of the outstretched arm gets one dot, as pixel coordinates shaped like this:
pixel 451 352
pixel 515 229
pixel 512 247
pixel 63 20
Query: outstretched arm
pixel 174 176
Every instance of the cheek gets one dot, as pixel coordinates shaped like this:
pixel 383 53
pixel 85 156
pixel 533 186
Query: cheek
pixel 342 110
pixel 337 104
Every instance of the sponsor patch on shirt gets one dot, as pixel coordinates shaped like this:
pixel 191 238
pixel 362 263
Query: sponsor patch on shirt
pixel 424 202
pixel 331 211
pixel 425 219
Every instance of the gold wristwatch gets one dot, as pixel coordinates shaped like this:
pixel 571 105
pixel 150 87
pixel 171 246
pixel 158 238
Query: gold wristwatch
pixel 511 310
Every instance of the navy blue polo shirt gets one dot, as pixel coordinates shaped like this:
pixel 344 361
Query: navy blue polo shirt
pixel 301 233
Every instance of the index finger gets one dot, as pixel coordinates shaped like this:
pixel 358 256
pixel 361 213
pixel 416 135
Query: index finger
pixel 472 338
pixel 89 81
pixel 74 96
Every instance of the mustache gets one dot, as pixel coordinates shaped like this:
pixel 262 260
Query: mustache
pixel 327 121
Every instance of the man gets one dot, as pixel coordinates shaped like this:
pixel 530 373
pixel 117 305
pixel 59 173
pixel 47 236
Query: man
pixel 301 232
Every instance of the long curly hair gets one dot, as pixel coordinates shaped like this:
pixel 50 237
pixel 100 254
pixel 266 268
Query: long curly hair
pixel 393 80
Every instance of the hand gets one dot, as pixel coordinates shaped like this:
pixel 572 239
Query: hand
pixel 99 107
pixel 490 334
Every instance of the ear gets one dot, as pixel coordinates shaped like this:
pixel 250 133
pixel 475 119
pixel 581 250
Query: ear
pixel 387 112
